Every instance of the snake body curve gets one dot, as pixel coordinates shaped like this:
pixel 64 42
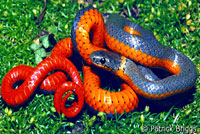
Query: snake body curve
pixel 146 50
pixel 32 77
pixel 134 43
pixel 121 36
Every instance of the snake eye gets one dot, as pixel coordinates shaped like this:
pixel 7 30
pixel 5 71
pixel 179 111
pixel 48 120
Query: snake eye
pixel 103 60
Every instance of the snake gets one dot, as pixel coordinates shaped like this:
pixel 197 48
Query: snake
pixel 129 44
pixel 31 78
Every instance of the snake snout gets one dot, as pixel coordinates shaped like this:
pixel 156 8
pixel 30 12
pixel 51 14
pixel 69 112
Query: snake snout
pixel 97 59
pixel 106 60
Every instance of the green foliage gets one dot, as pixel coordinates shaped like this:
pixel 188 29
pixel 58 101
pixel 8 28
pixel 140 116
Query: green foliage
pixel 174 24
pixel 41 49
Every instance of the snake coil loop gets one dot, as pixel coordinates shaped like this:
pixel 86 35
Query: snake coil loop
pixel 131 42
pixel 32 77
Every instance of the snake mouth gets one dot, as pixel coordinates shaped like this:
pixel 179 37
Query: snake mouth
pixel 107 60
pixel 97 58
pixel 99 62
pixel 101 59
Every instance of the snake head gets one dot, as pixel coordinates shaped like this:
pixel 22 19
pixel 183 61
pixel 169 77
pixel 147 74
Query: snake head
pixel 107 60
